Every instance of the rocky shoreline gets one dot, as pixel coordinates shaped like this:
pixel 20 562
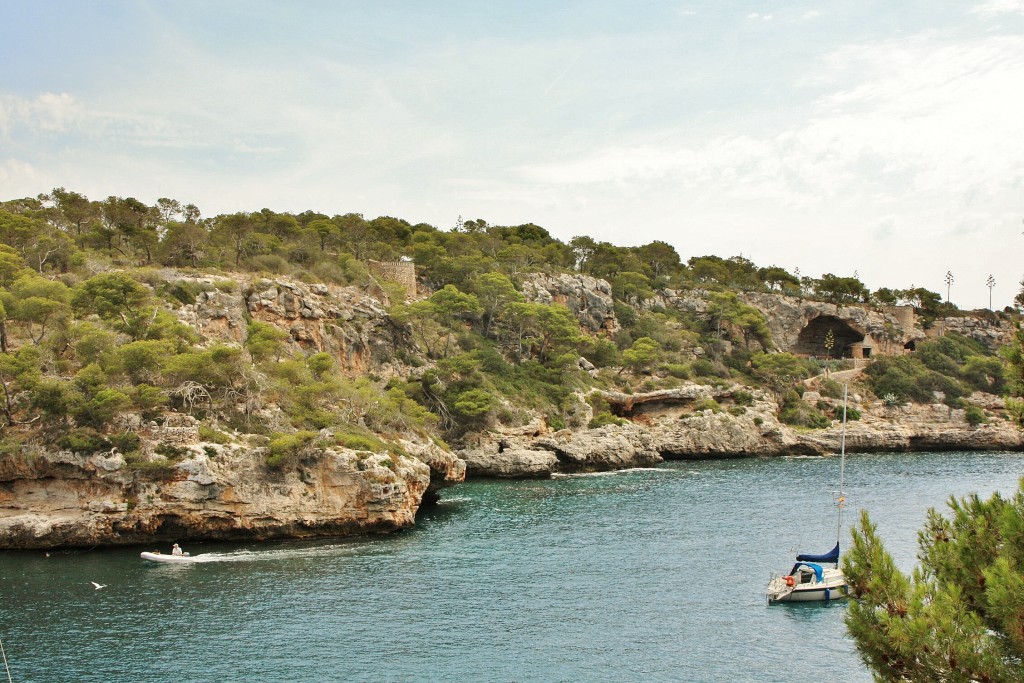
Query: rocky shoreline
pixel 226 492
pixel 666 430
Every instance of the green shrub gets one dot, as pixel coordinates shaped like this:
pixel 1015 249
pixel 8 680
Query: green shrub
pixel 677 370
pixel 852 414
pixel 149 400
pixel 359 441
pixel 604 418
pixel 207 433
pixel 1015 410
pixel 702 367
pixel 284 449
pixel 171 452
pixel 183 291
pixel 797 412
pixel 102 408
pixel 126 442
pixel 150 470
pixel 84 440
pixel 830 388
pixel 975 416
pixel 743 398
pixel 707 404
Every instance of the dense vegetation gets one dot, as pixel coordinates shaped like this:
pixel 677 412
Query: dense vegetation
pixel 88 332
pixel 960 615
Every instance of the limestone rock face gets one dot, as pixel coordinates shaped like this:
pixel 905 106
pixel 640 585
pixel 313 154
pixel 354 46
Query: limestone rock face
pixel 672 424
pixel 886 331
pixel 915 428
pixel 445 467
pixel 589 298
pixel 50 500
pixel 788 317
pixel 541 453
pixel 986 328
pixel 341 321
pixel 513 463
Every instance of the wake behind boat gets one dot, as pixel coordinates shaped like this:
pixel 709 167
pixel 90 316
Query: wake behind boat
pixel 809 580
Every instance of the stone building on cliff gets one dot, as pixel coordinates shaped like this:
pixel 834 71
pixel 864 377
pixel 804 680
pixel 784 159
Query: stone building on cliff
pixel 402 272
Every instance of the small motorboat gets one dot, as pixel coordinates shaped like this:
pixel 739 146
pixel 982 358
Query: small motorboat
pixel 157 556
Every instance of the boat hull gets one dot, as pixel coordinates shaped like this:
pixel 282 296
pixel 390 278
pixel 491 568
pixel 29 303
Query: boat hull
pixel 167 559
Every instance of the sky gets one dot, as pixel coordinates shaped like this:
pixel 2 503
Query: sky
pixel 874 138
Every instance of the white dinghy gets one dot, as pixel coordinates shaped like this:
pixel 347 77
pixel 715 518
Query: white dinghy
pixel 174 557
pixel 157 556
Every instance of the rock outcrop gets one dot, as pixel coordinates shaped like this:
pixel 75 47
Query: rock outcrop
pixel 793 322
pixel 538 453
pixel 179 487
pixel 676 424
pixel 351 326
pixel 985 327
pixel 589 298
pixel 60 499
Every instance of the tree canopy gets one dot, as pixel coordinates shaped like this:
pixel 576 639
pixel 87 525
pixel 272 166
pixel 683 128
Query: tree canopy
pixel 959 615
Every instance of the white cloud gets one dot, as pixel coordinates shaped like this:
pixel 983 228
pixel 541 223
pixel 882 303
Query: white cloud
pixel 913 145
pixel 997 7
pixel 812 14
pixel 929 116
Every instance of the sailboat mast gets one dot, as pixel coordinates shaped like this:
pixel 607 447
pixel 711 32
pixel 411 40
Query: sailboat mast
pixel 842 468
pixel 6 668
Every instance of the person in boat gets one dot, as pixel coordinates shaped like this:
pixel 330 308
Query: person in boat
pixel 176 549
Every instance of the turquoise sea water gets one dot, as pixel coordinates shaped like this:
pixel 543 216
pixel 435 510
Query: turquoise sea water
pixel 644 575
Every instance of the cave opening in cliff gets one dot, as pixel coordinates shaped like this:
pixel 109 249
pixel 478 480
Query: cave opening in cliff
pixel 813 339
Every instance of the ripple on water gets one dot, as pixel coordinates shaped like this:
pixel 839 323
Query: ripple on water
pixel 651 574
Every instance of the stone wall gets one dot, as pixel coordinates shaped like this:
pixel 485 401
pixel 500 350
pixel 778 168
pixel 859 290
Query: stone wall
pixel 402 272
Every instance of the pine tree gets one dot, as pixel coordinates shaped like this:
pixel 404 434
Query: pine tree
pixel 960 615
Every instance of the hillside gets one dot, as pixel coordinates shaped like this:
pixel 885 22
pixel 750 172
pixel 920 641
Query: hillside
pixel 268 375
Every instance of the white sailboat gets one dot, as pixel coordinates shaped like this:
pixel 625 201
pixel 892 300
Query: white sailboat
pixel 810 580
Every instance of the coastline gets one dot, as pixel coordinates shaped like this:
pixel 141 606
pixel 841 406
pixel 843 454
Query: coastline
pixel 53 500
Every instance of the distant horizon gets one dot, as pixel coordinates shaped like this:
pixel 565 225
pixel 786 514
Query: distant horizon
pixel 879 138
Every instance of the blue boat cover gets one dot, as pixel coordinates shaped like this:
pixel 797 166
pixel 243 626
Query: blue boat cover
pixel 819 573
pixel 830 556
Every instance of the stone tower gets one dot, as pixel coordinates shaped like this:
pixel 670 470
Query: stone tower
pixel 402 272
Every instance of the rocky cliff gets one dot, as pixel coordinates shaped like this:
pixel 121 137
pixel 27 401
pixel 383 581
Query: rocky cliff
pixel 664 425
pixel 178 486
pixel 206 491
pixel 182 486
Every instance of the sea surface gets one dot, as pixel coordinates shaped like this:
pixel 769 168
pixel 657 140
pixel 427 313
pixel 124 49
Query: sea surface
pixel 643 575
